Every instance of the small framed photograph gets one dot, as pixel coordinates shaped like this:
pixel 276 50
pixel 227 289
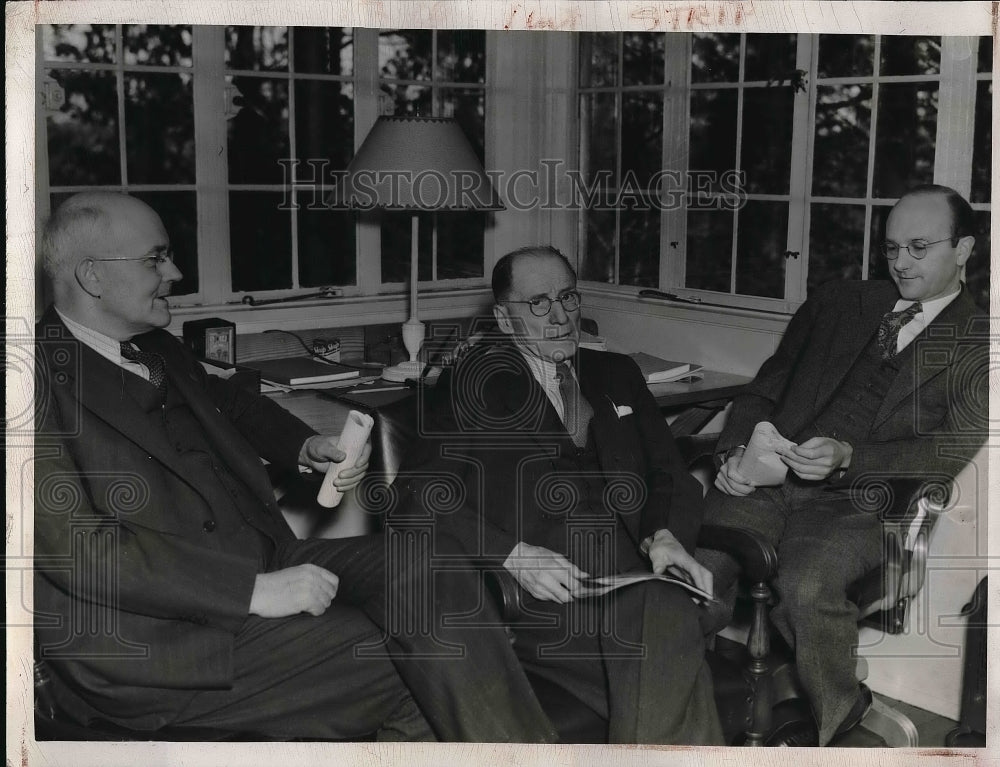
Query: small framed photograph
pixel 220 344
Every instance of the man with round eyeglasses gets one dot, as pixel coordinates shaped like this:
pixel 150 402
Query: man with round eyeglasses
pixel 565 469
pixel 872 381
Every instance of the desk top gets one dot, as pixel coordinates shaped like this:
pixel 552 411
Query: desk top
pixel 713 385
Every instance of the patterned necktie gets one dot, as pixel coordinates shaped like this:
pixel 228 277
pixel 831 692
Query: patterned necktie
pixel 888 329
pixel 578 411
pixel 153 362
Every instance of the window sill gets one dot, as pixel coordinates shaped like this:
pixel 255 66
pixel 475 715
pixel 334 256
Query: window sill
pixel 338 312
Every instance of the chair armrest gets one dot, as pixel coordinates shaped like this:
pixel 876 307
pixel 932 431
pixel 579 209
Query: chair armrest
pixel 694 447
pixel 756 556
pixel 507 593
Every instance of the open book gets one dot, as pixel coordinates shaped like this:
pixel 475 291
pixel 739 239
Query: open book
pixel 595 587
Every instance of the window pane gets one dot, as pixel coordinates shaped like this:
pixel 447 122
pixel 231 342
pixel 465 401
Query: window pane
pixel 469 110
pixel 405 54
pixel 260 241
pixel 598 260
pixel 713 131
pixel 396 241
pixel 985 55
pixel 598 58
pixel 843 130
pixel 878 267
pixel 845 55
pixel 910 55
pixel 639 263
pixel 159 128
pixel 836 243
pixel 642 136
pixel 257 48
pixel 598 136
pixel 409 99
pixel 94 43
pixel 770 57
pixel 83 134
pixel 460 244
pixel 178 211
pixel 324 123
pixel 715 58
pixel 767 139
pixel 324 50
pixel 709 249
pixel 165 46
pixel 642 58
pixel 904 148
pixel 977 268
pixel 258 134
pixel 326 246
pixel 982 143
pixel 761 237
pixel 461 55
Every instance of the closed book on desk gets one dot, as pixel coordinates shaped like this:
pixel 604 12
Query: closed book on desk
pixel 657 370
pixel 301 371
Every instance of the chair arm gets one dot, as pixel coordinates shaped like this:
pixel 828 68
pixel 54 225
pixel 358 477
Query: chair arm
pixel 756 556
pixel 694 447
pixel 507 592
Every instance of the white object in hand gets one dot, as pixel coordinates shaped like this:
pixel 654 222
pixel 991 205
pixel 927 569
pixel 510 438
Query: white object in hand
pixel 352 442
pixel 761 464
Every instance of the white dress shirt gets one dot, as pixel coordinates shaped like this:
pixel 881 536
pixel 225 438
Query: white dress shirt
pixel 544 371
pixel 104 345
pixel 928 312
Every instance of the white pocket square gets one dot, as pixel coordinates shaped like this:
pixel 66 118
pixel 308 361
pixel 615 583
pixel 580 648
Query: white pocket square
pixel 622 410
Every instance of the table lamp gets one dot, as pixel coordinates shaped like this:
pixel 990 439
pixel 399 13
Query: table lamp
pixel 417 164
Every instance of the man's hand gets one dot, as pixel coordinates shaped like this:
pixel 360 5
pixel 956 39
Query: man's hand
pixel 729 481
pixel 319 451
pixel 544 574
pixel 299 589
pixel 817 458
pixel 667 554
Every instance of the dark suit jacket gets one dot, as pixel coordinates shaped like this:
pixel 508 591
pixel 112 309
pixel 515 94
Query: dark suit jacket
pixel 936 406
pixel 133 588
pixel 485 465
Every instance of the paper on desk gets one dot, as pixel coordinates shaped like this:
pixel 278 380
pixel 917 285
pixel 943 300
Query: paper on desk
pixel 215 370
pixel 761 465
pixel 352 442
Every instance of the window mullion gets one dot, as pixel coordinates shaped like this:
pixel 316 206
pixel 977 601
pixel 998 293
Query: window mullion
pixel 956 121
pixel 676 150
pixel 120 90
pixel 739 160
pixel 796 269
pixel 211 164
pixel 366 111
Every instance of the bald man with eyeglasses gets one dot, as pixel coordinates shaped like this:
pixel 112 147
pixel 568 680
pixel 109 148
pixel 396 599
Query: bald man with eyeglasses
pixel 872 380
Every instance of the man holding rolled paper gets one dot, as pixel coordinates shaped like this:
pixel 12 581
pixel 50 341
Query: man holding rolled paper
pixel 168 589
pixel 872 380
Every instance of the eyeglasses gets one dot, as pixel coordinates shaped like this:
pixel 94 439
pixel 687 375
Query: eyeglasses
pixel 540 306
pixel 916 248
pixel 156 259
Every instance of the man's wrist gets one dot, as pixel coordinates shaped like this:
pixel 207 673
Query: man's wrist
pixel 723 456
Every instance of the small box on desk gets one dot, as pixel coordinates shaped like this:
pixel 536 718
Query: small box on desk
pixel 244 377
pixel 212 339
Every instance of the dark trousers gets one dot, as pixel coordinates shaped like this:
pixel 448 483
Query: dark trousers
pixel 824 543
pixel 352 670
pixel 635 656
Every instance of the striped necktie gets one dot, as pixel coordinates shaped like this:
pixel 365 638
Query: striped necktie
pixel 578 411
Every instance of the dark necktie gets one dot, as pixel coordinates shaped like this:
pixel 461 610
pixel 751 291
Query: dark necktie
pixel 578 411
pixel 153 362
pixel 888 329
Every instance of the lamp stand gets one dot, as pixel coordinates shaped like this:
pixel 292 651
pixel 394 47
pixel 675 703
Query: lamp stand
pixel 413 328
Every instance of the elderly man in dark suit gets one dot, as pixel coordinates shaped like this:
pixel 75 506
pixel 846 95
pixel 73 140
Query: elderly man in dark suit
pixel 872 380
pixel 169 589
pixel 562 468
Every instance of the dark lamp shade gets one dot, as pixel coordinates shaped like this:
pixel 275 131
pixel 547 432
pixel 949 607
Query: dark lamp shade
pixel 418 163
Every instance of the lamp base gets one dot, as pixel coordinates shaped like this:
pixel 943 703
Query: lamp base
pixel 403 371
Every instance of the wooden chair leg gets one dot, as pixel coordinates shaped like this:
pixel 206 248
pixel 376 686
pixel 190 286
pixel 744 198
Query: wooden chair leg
pixel 759 647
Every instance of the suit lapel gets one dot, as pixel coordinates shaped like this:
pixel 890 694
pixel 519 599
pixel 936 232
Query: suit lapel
pixel 854 330
pixel 916 370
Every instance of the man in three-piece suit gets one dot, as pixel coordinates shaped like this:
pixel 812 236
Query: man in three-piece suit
pixel 168 589
pixel 872 380
pixel 561 468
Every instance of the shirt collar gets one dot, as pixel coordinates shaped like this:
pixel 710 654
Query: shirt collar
pixel 100 343
pixel 929 309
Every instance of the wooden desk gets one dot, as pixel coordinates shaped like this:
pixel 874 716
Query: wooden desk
pixel 695 403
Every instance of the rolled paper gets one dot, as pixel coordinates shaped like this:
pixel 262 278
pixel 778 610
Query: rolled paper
pixel 352 442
